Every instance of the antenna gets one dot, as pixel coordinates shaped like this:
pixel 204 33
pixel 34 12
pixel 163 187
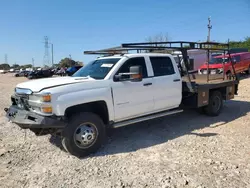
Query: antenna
pixel 46 59
pixel 209 26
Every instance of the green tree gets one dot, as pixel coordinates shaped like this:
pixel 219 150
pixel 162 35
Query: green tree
pixel 15 66
pixel 241 44
pixel 80 63
pixel 4 66
pixel 26 66
pixel 67 62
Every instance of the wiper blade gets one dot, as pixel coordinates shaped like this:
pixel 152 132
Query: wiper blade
pixel 85 77
pixel 81 78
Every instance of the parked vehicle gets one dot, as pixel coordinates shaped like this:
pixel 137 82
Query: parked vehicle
pixel 215 65
pixel 22 73
pixel 70 71
pixel 112 92
pixel 196 58
pixel 3 71
pixel 61 72
pixel 40 74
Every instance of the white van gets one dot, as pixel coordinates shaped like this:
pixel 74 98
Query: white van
pixel 196 58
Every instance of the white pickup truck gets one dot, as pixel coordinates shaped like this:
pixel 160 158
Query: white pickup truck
pixel 111 91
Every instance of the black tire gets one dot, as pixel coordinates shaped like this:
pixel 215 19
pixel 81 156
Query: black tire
pixel 72 145
pixel 201 110
pixel 248 71
pixel 215 104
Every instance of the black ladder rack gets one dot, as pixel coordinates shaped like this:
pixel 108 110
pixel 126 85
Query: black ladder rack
pixel 165 47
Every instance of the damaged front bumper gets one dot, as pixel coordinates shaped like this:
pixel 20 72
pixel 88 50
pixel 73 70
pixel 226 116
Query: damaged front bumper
pixel 29 120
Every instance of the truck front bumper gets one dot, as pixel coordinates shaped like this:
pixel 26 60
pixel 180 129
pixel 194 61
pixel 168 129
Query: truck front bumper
pixel 29 120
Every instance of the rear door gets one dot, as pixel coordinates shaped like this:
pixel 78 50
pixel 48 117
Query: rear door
pixel 167 83
pixel 239 66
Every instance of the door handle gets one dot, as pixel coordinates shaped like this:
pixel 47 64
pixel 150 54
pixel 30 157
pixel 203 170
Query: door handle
pixel 147 84
pixel 177 80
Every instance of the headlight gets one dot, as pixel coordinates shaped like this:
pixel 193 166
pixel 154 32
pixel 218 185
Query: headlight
pixel 23 91
pixel 220 70
pixel 38 98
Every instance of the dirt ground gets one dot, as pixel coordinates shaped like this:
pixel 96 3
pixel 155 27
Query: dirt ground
pixel 183 150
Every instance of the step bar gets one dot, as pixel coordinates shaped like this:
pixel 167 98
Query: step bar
pixel 145 118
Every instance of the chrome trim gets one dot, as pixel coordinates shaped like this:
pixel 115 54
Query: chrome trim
pixel 23 91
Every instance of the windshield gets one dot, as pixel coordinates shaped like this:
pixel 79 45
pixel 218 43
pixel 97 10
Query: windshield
pixel 219 60
pixel 97 69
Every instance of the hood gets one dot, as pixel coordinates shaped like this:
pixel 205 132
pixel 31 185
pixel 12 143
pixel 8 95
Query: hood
pixel 38 85
pixel 212 66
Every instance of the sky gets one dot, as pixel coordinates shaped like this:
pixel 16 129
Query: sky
pixel 77 25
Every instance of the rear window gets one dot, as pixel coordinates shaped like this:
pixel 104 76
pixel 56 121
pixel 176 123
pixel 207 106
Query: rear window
pixel 162 66
pixel 237 58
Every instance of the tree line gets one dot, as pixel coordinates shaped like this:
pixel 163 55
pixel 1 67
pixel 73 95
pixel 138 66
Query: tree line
pixel 65 62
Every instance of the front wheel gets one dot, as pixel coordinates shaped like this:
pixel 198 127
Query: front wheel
pixel 215 104
pixel 84 134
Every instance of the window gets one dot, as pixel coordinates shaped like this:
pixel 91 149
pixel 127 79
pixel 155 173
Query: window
pixel 219 60
pixel 97 69
pixel 134 62
pixel 162 66
pixel 237 58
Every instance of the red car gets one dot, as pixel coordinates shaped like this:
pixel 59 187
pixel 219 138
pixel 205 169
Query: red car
pixel 241 60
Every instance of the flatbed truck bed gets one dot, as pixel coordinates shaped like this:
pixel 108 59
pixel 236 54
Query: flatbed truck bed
pixel 202 89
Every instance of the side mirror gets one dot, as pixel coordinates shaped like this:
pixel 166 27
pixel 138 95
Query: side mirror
pixel 134 74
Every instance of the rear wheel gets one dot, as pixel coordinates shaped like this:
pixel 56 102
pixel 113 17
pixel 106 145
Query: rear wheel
pixel 215 104
pixel 84 134
pixel 248 71
pixel 201 110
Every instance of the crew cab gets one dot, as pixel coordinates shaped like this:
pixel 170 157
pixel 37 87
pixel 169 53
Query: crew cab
pixel 111 92
pixel 215 66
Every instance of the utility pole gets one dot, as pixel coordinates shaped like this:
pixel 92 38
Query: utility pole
pixel 33 64
pixel 209 26
pixel 52 54
pixel 46 59
pixel 6 59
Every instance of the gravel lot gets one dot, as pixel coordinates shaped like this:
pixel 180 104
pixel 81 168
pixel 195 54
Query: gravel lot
pixel 183 150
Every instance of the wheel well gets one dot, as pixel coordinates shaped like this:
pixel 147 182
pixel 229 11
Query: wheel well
pixel 98 107
pixel 222 90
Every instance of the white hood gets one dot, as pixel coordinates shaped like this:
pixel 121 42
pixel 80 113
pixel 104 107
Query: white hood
pixel 37 85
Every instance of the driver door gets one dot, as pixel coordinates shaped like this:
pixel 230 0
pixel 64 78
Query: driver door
pixel 133 99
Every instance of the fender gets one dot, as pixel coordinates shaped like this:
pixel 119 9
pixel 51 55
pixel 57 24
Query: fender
pixel 67 100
